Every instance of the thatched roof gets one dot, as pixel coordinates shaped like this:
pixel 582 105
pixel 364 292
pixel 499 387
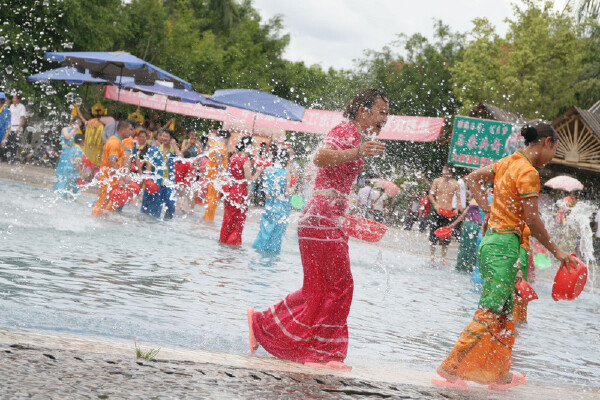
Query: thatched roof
pixel 579 138
pixel 591 118
pixel 488 111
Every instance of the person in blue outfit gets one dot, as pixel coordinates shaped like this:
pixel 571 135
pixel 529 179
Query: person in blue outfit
pixel 4 117
pixel 66 172
pixel 161 159
pixel 275 218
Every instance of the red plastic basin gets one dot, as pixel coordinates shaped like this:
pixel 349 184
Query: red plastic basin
pixel 443 232
pixel 364 229
pixel 525 290
pixel 569 283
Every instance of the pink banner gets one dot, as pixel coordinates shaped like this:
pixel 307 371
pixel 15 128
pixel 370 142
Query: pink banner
pixel 418 129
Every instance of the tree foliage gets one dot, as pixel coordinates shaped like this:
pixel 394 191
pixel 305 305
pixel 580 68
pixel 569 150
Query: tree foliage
pixel 548 60
pixel 415 73
pixel 536 71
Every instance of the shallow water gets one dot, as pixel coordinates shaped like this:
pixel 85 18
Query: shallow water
pixel 132 277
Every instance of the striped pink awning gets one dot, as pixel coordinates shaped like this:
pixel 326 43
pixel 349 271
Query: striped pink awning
pixel 407 128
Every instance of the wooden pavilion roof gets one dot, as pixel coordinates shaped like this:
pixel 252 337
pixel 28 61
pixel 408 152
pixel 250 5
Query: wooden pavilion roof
pixel 489 111
pixel 579 138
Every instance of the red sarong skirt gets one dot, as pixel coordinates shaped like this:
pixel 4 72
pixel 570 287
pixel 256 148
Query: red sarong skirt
pixel 234 216
pixel 309 325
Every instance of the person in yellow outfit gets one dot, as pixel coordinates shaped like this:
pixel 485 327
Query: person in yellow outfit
pixel 215 171
pixel 112 169
pixel 94 128
pixel 483 351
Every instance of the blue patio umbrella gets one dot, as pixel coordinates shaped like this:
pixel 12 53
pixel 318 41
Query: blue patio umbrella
pixel 67 74
pixel 73 76
pixel 188 96
pixel 110 65
pixel 260 102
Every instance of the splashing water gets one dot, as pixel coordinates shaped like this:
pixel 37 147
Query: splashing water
pixel 576 235
pixel 380 264
pixel 579 221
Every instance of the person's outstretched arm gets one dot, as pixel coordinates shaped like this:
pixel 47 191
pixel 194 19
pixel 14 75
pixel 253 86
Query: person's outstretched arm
pixel 248 172
pixel 476 181
pixel 329 156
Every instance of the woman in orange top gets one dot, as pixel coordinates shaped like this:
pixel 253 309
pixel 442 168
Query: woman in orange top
pixel 112 172
pixel 483 350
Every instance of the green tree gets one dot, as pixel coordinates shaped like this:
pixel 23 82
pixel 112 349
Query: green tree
pixel 227 13
pixel 416 75
pixel 588 16
pixel 92 25
pixel 476 75
pixel 28 32
pixel 144 27
pixel 535 71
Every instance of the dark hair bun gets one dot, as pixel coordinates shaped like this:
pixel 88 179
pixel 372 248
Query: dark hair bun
pixel 529 133
pixel 244 141
pixel 224 133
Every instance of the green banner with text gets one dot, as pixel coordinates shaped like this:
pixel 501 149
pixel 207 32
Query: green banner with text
pixel 478 142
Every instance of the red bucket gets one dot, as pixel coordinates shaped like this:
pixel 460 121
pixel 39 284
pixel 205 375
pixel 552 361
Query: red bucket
pixel 364 229
pixel 118 196
pixel 525 290
pixel 569 283
pixel 444 212
pixel 134 188
pixel 443 232
pixel 151 186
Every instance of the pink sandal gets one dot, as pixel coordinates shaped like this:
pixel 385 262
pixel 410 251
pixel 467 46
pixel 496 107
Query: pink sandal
pixel 252 343
pixel 516 380
pixel 337 365
pixel 457 384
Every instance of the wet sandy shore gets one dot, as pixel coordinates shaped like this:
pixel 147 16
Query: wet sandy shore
pixel 44 366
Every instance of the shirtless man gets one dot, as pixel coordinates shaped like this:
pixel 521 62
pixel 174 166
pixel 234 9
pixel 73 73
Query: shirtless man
pixel 442 191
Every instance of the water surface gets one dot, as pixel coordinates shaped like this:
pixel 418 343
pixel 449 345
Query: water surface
pixel 135 278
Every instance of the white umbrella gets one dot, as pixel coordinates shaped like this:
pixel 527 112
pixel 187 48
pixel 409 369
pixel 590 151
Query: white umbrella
pixel 563 182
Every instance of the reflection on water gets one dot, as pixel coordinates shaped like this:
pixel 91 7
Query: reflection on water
pixel 136 278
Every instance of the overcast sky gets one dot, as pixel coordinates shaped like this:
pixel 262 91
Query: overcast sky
pixel 334 32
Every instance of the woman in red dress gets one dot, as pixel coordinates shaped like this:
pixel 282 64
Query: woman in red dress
pixel 236 198
pixel 309 325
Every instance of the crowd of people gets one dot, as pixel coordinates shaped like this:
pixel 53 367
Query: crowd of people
pixel 142 162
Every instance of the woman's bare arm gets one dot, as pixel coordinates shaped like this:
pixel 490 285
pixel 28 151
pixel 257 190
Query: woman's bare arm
pixel 248 172
pixel 476 181
pixel 68 133
pixel 329 156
